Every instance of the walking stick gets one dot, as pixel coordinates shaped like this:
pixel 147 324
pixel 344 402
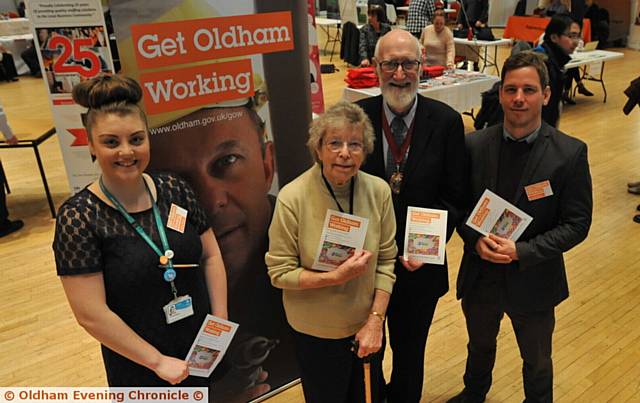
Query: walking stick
pixel 366 364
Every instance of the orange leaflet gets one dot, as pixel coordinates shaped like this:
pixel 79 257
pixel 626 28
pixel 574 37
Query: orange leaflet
pixel 189 87
pixel 344 221
pixel 482 213
pixel 339 227
pixel 419 216
pixel 172 43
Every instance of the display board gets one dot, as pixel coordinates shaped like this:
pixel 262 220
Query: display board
pixel 227 94
pixel 72 45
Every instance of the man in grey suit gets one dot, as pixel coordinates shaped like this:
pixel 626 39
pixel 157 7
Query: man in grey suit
pixel 545 173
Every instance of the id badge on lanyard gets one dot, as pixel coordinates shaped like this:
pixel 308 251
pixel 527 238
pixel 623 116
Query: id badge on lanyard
pixel 179 307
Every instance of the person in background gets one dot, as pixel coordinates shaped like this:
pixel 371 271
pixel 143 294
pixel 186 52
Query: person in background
pixel 549 8
pixel 437 40
pixel 424 167
pixel 8 70
pixel 125 272
pixel 573 74
pixel 544 173
pixel 6 226
pixel 554 7
pixel 561 38
pixel 328 310
pixel 420 15
pixel 370 33
pixel 600 23
pixel 473 15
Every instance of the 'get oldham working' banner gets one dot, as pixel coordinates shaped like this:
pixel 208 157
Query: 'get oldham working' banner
pixel 177 43
pixel 227 94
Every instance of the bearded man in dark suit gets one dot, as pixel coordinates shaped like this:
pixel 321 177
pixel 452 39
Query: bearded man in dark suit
pixel 419 149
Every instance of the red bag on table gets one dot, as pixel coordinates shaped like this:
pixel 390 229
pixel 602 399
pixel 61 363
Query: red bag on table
pixel 433 71
pixel 362 77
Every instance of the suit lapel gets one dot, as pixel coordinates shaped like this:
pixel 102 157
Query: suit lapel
pixel 492 155
pixel 421 134
pixel 535 158
pixel 375 160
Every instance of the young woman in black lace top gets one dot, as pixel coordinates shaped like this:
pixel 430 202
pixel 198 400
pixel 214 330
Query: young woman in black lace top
pixel 139 276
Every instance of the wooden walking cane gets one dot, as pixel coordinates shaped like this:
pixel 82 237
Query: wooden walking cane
pixel 366 365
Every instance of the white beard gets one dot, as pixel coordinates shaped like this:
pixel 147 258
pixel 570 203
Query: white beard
pixel 399 98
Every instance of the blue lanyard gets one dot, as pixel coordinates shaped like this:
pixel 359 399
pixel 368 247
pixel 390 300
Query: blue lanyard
pixel 165 258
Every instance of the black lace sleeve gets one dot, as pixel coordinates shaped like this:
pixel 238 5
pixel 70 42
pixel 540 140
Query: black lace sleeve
pixel 76 246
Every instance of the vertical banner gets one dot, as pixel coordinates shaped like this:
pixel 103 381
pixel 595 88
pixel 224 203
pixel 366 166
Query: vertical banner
pixel 317 97
pixel 72 46
pixel 226 91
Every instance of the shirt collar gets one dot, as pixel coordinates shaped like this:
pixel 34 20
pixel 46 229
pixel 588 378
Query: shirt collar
pixel 408 118
pixel 529 138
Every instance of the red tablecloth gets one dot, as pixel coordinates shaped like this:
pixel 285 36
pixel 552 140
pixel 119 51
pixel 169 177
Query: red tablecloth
pixel 530 28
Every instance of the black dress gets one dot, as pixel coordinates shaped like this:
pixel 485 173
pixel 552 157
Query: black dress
pixel 92 237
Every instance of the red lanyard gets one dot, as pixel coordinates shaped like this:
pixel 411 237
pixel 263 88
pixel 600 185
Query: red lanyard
pixel 398 154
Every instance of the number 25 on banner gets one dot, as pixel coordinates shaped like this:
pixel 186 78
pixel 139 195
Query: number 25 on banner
pixel 73 52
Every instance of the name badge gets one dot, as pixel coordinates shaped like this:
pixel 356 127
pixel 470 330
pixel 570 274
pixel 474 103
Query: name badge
pixel 538 190
pixel 177 218
pixel 179 308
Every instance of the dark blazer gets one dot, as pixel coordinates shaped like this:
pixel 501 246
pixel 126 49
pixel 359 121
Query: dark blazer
pixel 475 10
pixel 434 177
pixel 537 280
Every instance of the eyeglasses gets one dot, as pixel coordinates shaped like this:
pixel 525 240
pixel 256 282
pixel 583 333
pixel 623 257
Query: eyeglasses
pixel 336 145
pixel 573 35
pixel 389 66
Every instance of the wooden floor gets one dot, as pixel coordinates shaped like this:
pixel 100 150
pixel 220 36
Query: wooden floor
pixel 597 337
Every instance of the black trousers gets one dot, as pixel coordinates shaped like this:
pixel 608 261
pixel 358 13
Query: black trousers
pixel 30 57
pixel 409 316
pixel 332 373
pixel 7 68
pixel 484 308
pixel 570 76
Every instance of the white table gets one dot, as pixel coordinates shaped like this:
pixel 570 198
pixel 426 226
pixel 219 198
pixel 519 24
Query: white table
pixel 14 26
pixel 16 44
pixel 475 45
pixel 461 94
pixel 325 24
pixel 595 58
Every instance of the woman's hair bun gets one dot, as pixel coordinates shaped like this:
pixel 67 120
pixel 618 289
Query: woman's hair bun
pixel 105 90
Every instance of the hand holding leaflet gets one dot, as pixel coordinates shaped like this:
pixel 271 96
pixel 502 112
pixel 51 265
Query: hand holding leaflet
pixel 342 236
pixel 494 215
pixel 425 235
pixel 210 345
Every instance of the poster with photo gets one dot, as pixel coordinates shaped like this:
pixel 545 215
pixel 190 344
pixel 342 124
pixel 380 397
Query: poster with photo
pixel 226 89
pixel 71 44
pixel 72 54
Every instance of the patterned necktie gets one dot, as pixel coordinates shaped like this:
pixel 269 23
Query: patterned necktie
pixel 399 130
